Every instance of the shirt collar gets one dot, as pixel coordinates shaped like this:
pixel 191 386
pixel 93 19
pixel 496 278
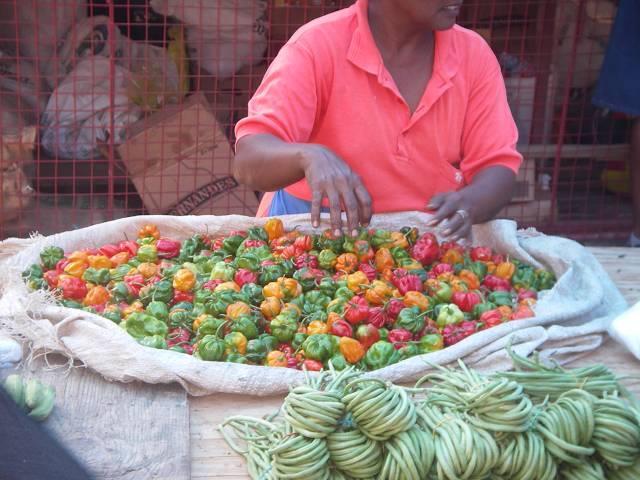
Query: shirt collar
pixel 363 51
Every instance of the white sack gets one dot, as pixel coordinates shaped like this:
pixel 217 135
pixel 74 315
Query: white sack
pixel 625 329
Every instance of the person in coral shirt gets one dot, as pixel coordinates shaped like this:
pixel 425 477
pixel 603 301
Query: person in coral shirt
pixel 384 106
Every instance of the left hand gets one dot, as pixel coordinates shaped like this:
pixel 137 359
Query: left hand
pixel 452 214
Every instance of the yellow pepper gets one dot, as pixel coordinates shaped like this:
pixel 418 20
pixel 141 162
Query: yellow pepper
pixel 356 281
pixel 75 268
pixel 399 240
pixel 227 286
pixel 234 310
pixel 274 228
pixel 184 280
pixel 290 287
pixel 147 269
pixel 317 327
pixel 99 261
pixel 378 292
pixel 384 260
pixel 273 290
pixel 270 307
pixel 505 270
pixel 78 255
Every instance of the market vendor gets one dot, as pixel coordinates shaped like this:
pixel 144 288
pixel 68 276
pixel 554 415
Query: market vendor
pixel 384 106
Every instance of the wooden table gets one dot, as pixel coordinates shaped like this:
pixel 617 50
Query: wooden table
pixel 139 431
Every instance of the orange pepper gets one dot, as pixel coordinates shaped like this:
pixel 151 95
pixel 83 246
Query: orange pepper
pixel 416 299
pixel 387 274
pixel 274 228
pixel 347 262
pixel 505 311
pixel 119 258
pixel 505 270
pixel 290 287
pixel 522 311
pixel 446 277
pixel 452 256
pixel 399 240
pixel 270 307
pixel 458 285
pixel 227 286
pixel 99 261
pixel 276 358
pixel 135 306
pixel 97 296
pixel 356 281
pixel 331 319
pixel 491 267
pixel 149 230
pixel 529 302
pixel 384 260
pixel 78 255
pixel 234 310
pixel 184 280
pixel 75 268
pixel 147 269
pixel 378 292
pixel 351 349
pixel 470 278
pixel 317 327
pixel 273 289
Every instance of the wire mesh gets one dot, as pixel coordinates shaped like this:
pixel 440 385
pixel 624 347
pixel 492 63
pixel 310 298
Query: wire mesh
pixel 113 108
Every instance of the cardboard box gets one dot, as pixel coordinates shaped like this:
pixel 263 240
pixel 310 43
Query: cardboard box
pixel 181 163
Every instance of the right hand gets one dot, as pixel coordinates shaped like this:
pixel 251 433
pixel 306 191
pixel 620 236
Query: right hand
pixel 328 176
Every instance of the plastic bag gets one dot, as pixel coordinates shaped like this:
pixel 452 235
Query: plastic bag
pixel 625 329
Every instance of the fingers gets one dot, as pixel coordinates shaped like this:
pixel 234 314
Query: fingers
pixel 351 207
pixel 457 227
pixel 445 205
pixel 364 202
pixel 334 211
pixel 316 206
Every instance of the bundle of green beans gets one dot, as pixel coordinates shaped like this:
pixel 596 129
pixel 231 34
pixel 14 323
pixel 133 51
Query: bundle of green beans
pixel 536 423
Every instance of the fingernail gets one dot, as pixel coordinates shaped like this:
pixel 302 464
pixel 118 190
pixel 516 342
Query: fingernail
pixel 337 232
pixel 446 232
pixel 354 233
pixel 431 223
pixel 315 224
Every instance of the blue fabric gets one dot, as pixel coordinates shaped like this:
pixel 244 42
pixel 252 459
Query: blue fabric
pixel 284 203
pixel 619 83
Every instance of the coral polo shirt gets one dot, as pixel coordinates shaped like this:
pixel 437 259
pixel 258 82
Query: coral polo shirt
pixel 328 85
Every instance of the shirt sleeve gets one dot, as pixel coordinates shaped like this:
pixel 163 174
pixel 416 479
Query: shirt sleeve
pixel 490 135
pixel 285 104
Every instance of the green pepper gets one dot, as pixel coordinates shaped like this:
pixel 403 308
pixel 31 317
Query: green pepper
pixel 246 326
pixel 161 291
pixel 408 351
pixel 298 339
pixel 380 238
pixel 448 314
pixel 236 358
pixel 410 233
pixel 120 292
pixel 99 276
pixel 283 327
pixel 235 342
pixel 211 326
pixel 232 243
pixel 344 293
pixel 399 253
pixel 182 306
pixel 148 240
pixel 545 279
pixel 271 273
pixel 257 350
pixel 223 271
pixel 253 292
pixel 114 315
pixel 154 341
pixel 50 256
pixel 298 301
pixel 524 277
pixel 319 347
pixel 140 325
pixel 479 268
pixel 500 298
pixel 134 263
pixel 480 308
pixel 180 318
pixel 328 287
pixel 258 233
pixel 261 253
pixel 248 261
pixel 337 307
pixel 338 361
pixel 169 272
pixel 203 295
pixel 319 315
pixel 384 333
pixel 147 253
pixel 269 340
pixel 190 248
pixel 444 293
pixel 315 301
pixel 70 303
pixel 210 348
pixel 430 343
pixel 177 348
pixel 159 310
pixel 117 274
pixel 411 319
pixel 306 278
pixel 381 354
pixel 221 300
pixel 328 241
pixel 89 309
pixel 33 277
pixel 327 259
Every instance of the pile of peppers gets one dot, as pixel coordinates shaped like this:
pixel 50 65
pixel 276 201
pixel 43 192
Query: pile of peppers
pixel 280 298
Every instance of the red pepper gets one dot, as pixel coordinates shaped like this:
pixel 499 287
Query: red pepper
pixel 524 294
pixel 188 348
pixel 286 348
pixel 253 243
pixel 378 317
pixel 481 254
pixel 341 328
pixel 61 265
pixel 180 296
pixel 356 310
pixel 426 250
pixel 306 261
pixel 406 282
pixel 289 252
pixel 217 244
pixel 110 250
pixel 243 276
pixel 399 335
pixel 239 233
pixel 367 335
pixel 522 311
pixel 303 243
pixel 51 278
pixel 428 329
pixel 498 258
pixel 73 288
pixel 134 283
pixel 441 268
pixel 312 365
pixel 491 318
pixel 455 333
pixel 292 361
pixel 212 284
pixel 178 336
pixel 154 279
pixel 393 308
pixel 368 270
pixel 496 283
pixel 167 248
pixel 129 246
pixel 466 300
pixel 99 308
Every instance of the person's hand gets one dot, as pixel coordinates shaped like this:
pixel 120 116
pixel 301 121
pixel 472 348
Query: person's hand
pixel 452 214
pixel 328 176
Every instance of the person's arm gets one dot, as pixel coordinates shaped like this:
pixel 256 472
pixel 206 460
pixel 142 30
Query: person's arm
pixel 489 156
pixel 272 150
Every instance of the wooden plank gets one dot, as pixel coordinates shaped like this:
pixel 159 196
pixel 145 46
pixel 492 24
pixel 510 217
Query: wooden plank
pixel 596 152
pixel 121 431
